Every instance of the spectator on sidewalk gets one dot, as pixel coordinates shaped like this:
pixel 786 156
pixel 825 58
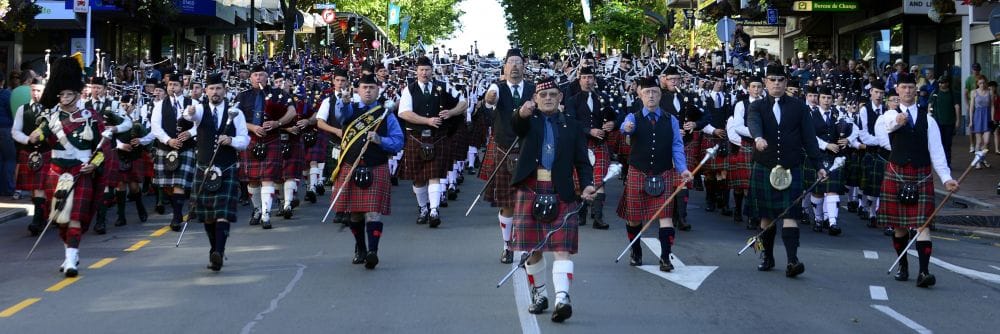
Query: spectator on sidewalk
pixel 927 87
pixel 8 154
pixel 995 117
pixel 946 108
pixel 981 109
pixel 970 85
pixel 892 78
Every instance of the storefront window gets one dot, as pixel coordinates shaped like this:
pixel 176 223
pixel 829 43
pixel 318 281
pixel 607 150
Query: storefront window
pixel 988 56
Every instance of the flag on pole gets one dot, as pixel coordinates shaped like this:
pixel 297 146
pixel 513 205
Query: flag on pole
pixel 404 27
pixel 586 10
pixel 393 13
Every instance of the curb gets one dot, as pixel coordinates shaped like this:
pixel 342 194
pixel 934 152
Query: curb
pixel 963 198
pixel 967 233
pixel 12 214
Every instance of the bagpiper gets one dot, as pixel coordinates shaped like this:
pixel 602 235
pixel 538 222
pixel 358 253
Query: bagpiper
pixel 108 175
pixel 740 162
pixel 174 160
pixel 589 109
pixel 33 153
pixel 132 149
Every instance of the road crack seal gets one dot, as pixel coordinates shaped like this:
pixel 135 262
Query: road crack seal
pixel 274 302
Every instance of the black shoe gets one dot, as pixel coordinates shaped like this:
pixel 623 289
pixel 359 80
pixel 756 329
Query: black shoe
pixel 452 194
pixel 635 257
pixel 460 179
pixel 215 260
pixel 888 232
pixel 371 260
pixel 795 269
pixel 872 222
pixel 444 202
pixel 818 226
pixel 539 303
pixel 563 311
pixel 287 212
pixel 359 255
pixel 295 203
pixel 666 266
pixel 311 196
pixel 120 221
pixel 725 211
pixel 35 228
pixel 100 228
pixel 320 189
pixel 683 225
pixel 852 206
pixel 582 217
pixel 903 274
pixel 925 280
pixel 159 209
pixel 255 218
pixel 267 225
pixel 394 180
pixel 471 171
pixel 506 256
pixel 766 264
pixel 423 216
pixel 738 219
pixel 175 224
pixel 599 224
pixel 435 220
pixel 835 230
pixel 244 201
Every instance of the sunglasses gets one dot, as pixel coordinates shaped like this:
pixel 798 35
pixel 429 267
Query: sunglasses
pixel 547 95
pixel 776 79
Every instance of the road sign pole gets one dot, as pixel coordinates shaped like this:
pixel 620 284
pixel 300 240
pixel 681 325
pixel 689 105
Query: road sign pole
pixel 727 41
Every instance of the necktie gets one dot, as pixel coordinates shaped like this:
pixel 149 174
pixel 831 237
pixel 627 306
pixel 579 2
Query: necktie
pixel 829 120
pixel 215 117
pixel 913 119
pixel 427 89
pixel 652 118
pixel 258 108
pixel 517 95
pixel 718 101
pixel 777 111
pixel 548 151
pixel 177 105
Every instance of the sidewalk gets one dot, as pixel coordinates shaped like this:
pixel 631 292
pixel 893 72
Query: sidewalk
pixel 975 208
pixel 11 209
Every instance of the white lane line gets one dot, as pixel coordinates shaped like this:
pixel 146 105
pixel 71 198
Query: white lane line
pixel 872 255
pixel 274 302
pixel 974 274
pixel 522 296
pixel 902 319
pixel 994 267
pixel 878 292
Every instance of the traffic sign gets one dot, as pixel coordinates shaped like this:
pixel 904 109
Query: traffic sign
pixel 329 16
pixel 322 6
pixel 772 16
pixel 725 29
pixel 825 6
pixel 81 6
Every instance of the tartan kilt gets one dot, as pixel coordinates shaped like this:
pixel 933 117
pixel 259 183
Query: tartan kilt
pixel 616 143
pixel 28 179
pixel 459 143
pixel 834 180
pixel 767 202
pixel 528 233
pixel 318 151
pixel 637 206
pixel 270 168
pixel 499 192
pixel 184 175
pixel 852 169
pixel 873 174
pixel 489 160
pixel 83 192
pixel 894 214
pixel 602 160
pixel 739 165
pixel 210 206
pixel 109 174
pixel 139 169
pixel 355 199
pixel 693 150
pixel 479 132
pixel 416 169
pixel 717 163
pixel 293 165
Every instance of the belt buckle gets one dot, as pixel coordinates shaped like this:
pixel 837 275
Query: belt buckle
pixel 543 175
pixel 425 133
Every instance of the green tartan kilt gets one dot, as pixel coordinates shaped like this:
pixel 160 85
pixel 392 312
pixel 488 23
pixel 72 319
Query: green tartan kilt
pixel 767 202
pixel 872 174
pixel 213 205
pixel 853 169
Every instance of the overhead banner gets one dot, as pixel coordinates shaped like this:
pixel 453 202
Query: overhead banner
pixel 393 13
pixel 404 27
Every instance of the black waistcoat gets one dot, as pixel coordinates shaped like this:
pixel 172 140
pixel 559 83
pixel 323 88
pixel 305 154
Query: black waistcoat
pixel 172 126
pixel 208 134
pixel 909 144
pixel 652 145
pixel 374 155
pixel 505 109
pixel 872 117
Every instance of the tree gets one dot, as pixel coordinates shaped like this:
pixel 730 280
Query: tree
pixel 704 34
pixel 18 15
pixel 541 25
pixel 621 24
pixel 431 19
pixel 290 14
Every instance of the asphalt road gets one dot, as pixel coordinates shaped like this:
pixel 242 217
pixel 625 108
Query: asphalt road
pixel 297 278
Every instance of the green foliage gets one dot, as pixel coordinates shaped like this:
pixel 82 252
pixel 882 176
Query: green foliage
pixel 18 15
pixel 541 25
pixel 432 19
pixel 621 24
pixel 704 34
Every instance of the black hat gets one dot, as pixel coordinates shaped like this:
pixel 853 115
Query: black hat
pixel 891 92
pixel 670 70
pixel 906 78
pixel 173 77
pixel 754 78
pixel 812 90
pixel 151 81
pixel 67 74
pixel 587 70
pixel 215 79
pixel 368 79
pixel 588 55
pixel 97 81
pixel 339 72
pixel 424 61
pixel 244 67
pixel 878 84
pixel 626 55
pixel 127 98
pixel 824 90
pixel 160 85
pixel 278 75
pixel 258 68
pixel 794 83
pixel 648 82
pixel 775 70
pixel 187 72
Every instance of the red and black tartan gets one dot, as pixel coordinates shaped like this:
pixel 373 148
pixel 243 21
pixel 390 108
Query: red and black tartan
pixel 693 149
pixel 740 164
pixel 293 165
pixel 318 151
pixel 376 198
pixel 717 163
pixel 528 232
pixel 28 179
pixel 498 192
pixel 415 168
pixel 269 168
pixel 479 132
pixel 602 160
pixel 617 143
pixel 894 214
pixel 109 175
pixel 83 192
pixel 637 206
pixel 460 143
pixel 140 166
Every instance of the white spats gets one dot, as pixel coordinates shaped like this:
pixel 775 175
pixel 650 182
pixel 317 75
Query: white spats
pixel 506 228
pixel 314 176
pixel 266 198
pixel 562 276
pixel 289 191
pixel 817 206
pixel 536 273
pixel 422 195
pixel 830 208
pixel 254 196
pixel 470 157
pixel 434 194
pixel 72 258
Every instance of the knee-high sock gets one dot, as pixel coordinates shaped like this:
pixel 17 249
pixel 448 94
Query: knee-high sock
pixel 255 196
pixel 41 215
pixel 392 166
pixel 221 236
pixel 831 209
pixel 681 203
pixel 898 244
pixel 632 232
pixel 666 237
pixel 322 169
pixel 767 239
pixel 178 202
pixel 358 230
pixel 73 236
pixel 374 230
pixel 738 203
pixel 422 195
pixel 470 157
pixel 506 229
pixel 434 195
pixel 924 250
pixel 562 277
pixel 289 191
pixel 314 177
pixel 817 206
pixel 536 274
pixel 790 236
pixel 210 232
pixel 120 203
pixel 266 197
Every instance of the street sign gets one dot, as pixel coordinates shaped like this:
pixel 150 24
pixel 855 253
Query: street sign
pixel 772 16
pixel 758 23
pixel 995 21
pixel 725 29
pixel 322 6
pixel 81 6
pixel 825 6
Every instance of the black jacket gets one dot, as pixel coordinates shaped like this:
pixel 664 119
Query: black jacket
pixel 787 141
pixel 571 153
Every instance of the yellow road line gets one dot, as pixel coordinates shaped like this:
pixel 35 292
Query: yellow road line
pixel 944 238
pixel 62 284
pixel 10 311
pixel 137 245
pixel 100 264
pixel 161 231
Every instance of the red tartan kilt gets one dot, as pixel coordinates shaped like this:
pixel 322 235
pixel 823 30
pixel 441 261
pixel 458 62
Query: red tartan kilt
pixel 28 179
pixel 693 150
pixel 140 167
pixel 528 232
pixel 252 169
pixel 376 198
pixel 894 214
pixel 618 144
pixel 109 175
pixel 489 160
pixel 717 163
pixel 318 151
pixel 293 165
pixel 459 143
pixel 739 165
pixel 602 160
pixel 498 192
pixel 147 165
pixel 479 133
pixel 83 192
pixel 637 206
pixel 415 168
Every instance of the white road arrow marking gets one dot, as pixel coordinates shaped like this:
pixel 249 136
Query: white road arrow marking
pixel 689 277
pixel 974 274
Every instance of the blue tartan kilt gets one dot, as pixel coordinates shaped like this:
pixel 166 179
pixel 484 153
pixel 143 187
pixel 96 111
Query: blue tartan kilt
pixel 853 169
pixel 213 205
pixel 767 202
pixel 182 177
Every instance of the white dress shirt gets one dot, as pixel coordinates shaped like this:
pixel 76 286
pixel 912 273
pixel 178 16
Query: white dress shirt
pixel 938 160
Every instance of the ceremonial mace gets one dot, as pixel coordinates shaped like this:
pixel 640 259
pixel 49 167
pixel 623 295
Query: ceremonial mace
pixel 233 111
pixel 708 155
pixel 979 157
pixel 837 163
pixel 613 171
